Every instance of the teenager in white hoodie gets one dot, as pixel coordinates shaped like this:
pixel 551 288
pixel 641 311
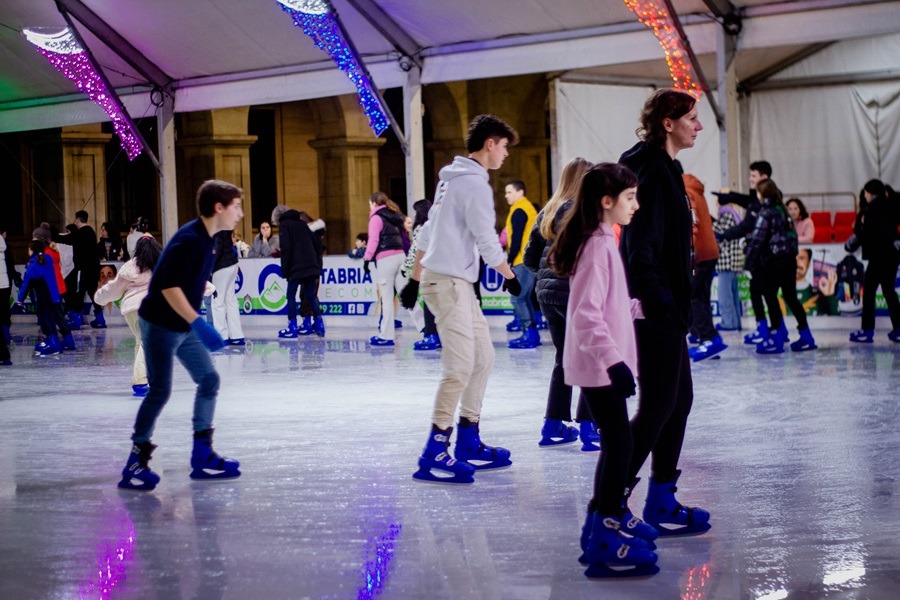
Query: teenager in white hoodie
pixel 600 356
pixel 460 228
pixel 130 285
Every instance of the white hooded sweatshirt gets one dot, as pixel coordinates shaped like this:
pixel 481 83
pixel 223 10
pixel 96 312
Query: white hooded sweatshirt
pixel 461 223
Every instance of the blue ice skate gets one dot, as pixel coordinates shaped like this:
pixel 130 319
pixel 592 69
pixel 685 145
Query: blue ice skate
pixel 805 343
pixel 665 514
pixel 759 335
pixel 590 436
pixel 529 339
pixel 206 463
pixel 289 332
pixel 378 341
pixel 470 448
pixel 863 336
pixel 556 433
pixel 435 457
pixel 429 342
pixel 631 525
pixel 306 328
pixel 99 321
pixel 610 555
pixel 633 540
pixel 318 327
pixel 707 349
pixel 514 325
pixel 137 474
pixel 68 342
pixel 139 390
pixel 894 335
pixel 774 344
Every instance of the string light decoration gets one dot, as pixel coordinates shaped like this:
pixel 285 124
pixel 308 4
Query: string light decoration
pixel 654 15
pixel 318 21
pixel 67 56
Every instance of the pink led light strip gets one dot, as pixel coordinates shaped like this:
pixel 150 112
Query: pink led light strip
pixel 69 58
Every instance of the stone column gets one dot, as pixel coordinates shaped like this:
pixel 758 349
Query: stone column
pixel 348 175
pixel 84 172
pixel 215 145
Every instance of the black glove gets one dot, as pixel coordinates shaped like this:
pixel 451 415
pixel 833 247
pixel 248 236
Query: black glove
pixel 719 237
pixel 622 380
pixel 512 286
pixel 409 294
pixel 366 266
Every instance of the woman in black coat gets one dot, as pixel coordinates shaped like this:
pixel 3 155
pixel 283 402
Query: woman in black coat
pixel 656 248
pixel 301 265
pixel 877 234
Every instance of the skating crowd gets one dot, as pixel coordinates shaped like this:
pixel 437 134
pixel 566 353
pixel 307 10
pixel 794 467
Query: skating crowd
pixel 617 265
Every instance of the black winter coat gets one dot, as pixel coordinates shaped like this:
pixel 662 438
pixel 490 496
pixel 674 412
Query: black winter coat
pixel 656 245
pixel 878 229
pixel 551 289
pixel 226 256
pixel 301 249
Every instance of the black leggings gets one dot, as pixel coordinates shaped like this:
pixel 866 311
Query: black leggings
pixel 309 302
pixel 430 325
pixel 559 398
pixel 780 273
pixel 757 286
pixel 880 272
pixel 701 310
pixel 610 413
pixel 667 394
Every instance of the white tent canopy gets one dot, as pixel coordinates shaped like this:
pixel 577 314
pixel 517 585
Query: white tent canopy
pixel 223 53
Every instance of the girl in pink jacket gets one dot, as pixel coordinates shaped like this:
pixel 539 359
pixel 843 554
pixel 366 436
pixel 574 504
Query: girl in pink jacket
pixel 600 356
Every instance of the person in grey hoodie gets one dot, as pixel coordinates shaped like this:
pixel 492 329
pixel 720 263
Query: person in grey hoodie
pixel 460 228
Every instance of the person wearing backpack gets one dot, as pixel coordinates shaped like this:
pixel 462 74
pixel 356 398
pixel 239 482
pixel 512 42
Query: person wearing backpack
pixel 385 249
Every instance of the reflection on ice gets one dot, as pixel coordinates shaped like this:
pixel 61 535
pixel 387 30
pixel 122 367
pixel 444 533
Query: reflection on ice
pixel 376 569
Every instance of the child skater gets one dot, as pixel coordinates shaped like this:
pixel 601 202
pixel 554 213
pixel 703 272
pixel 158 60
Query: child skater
pixel 600 356
pixel 171 326
pixel 772 251
pixel 131 284
pixel 41 279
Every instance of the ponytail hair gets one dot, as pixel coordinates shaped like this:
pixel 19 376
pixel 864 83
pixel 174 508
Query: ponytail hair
pixel 37 249
pixel 381 199
pixel 586 213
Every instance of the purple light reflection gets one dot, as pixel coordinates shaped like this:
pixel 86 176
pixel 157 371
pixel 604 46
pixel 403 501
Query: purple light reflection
pixel 376 569
pixel 112 564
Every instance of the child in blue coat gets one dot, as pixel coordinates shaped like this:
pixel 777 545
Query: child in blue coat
pixel 40 280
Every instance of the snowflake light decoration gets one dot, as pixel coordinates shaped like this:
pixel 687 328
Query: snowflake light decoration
pixel 60 47
pixel 317 21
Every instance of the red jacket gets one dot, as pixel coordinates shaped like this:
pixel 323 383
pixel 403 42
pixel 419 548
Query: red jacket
pixel 705 246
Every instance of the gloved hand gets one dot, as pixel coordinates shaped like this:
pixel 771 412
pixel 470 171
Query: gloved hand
pixel 622 379
pixel 209 337
pixel 719 237
pixel 366 265
pixel 512 286
pixel 409 294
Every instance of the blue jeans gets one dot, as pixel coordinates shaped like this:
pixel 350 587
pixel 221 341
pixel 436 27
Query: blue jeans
pixel 161 346
pixel 729 299
pixel 522 303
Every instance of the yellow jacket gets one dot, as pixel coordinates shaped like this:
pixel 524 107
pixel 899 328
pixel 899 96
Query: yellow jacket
pixel 518 239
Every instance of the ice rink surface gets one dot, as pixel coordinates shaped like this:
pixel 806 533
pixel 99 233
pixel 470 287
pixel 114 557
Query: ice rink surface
pixel 796 456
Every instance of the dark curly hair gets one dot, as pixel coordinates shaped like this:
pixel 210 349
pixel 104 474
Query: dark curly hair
pixel 663 104
pixel 146 253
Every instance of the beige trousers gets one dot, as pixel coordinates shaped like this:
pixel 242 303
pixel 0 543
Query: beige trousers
pixel 467 355
pixel 139 370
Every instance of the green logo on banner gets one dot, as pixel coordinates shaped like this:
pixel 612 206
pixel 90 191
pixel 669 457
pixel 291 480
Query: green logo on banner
pixel 273 297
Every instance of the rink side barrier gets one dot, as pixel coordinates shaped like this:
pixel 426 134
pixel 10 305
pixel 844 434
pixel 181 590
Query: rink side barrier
pixel 830 285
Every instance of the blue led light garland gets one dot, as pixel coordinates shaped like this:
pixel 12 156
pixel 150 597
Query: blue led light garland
pixel 323 29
